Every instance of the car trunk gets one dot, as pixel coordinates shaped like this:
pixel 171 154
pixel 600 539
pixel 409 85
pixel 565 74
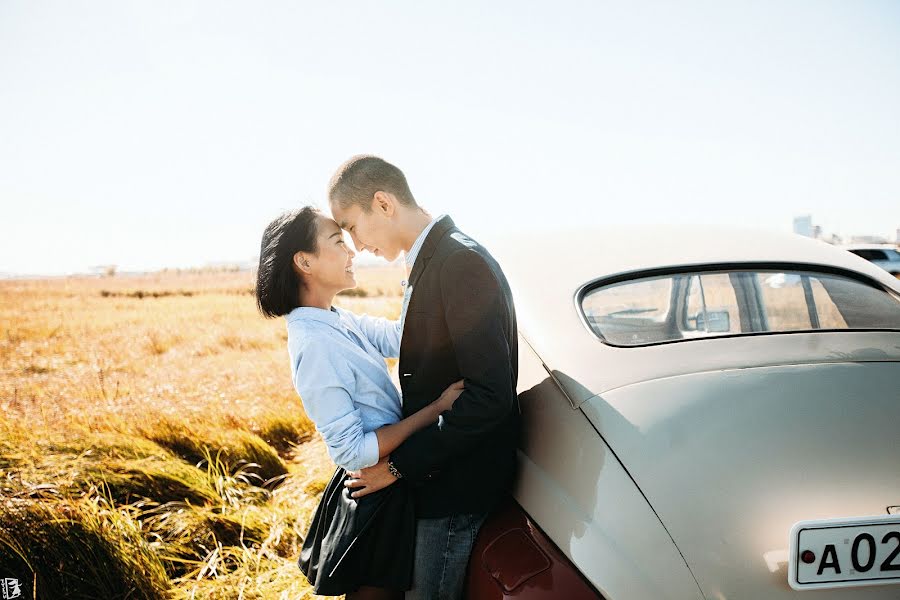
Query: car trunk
pixel 731 459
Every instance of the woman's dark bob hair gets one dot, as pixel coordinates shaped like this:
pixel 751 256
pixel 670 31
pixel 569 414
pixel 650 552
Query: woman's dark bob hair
pixel 277 283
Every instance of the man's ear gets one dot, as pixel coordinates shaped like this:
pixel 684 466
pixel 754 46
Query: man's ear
pixel 384 204
pixel 301 262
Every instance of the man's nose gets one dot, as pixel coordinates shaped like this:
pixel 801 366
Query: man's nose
pixel 358 244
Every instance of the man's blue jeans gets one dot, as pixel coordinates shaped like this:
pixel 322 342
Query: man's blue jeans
pixel 443 546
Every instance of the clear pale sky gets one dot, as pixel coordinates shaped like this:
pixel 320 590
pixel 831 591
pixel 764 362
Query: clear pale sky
pixel 168 133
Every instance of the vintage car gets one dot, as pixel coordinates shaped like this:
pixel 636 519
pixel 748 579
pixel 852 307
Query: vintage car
pixel 705 415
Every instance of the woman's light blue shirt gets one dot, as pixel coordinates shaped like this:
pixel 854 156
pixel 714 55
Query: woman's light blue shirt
pixel 344 385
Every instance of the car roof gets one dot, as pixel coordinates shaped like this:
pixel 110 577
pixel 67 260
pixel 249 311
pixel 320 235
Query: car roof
pixel 566 260
pixel 546 270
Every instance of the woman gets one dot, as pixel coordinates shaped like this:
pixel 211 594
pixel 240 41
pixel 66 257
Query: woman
pixel 359 547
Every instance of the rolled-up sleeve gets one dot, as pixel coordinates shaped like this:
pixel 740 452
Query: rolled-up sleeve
pixel 323 379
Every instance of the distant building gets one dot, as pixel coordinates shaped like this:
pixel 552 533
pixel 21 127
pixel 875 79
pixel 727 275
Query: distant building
pixel 868 239
pixel 104 270
pixel 803 225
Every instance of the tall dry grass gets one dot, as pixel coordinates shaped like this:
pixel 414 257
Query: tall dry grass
pixel 151 443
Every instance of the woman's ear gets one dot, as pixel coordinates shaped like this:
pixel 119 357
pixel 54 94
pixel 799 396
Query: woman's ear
pixel 384 204
pixel 301 263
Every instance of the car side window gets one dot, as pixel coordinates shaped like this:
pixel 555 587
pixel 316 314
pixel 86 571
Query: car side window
pixel 871 254
pixel 711 306
pixel 784 300
pixel 681 306
pixel 829 315
pixel 633 312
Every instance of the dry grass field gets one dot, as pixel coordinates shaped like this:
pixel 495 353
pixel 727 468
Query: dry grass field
pixel 151 443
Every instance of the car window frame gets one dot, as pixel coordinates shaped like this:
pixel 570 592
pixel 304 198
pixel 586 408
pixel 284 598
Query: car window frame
pixel 698 269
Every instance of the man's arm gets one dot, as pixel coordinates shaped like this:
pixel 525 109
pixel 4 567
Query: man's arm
pixel 477 316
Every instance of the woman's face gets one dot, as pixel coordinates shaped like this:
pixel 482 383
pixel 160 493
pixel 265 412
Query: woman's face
pixel 331 269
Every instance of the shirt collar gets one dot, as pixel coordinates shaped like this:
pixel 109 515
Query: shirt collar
pixel 417 245
pixel 309 313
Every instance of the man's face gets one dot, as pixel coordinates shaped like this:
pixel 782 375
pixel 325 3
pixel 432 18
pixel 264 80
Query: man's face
pixel 373 231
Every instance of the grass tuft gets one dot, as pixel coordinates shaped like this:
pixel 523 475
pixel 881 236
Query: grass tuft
pixel 83 548
pixel 243 343
pixel 284 431
pixel 159 481
pixel 235 449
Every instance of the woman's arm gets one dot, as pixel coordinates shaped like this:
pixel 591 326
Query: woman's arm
pixel 321 377
pixel 382 333
pixel 391 436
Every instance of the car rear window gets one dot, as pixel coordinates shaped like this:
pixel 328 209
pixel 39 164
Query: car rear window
pixel 703 304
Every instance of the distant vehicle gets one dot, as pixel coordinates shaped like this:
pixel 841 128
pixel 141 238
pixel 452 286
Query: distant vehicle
pixel 712 415
pixel 884 255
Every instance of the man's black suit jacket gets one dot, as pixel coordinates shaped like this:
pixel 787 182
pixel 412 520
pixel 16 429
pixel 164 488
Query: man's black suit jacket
pixel 460 324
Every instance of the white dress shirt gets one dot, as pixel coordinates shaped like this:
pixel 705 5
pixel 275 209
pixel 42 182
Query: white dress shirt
pixel 410 260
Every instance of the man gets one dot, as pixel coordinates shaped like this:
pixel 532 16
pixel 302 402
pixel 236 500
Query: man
pixel 458 322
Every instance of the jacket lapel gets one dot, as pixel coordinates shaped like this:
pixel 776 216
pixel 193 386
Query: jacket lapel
pixel 429 246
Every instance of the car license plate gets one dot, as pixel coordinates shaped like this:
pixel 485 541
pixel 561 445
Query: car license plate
pixel 850 552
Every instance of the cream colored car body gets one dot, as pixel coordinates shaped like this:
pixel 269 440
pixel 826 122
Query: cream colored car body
pixel 677 470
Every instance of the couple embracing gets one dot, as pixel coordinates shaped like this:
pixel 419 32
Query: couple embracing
pixel 418 468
